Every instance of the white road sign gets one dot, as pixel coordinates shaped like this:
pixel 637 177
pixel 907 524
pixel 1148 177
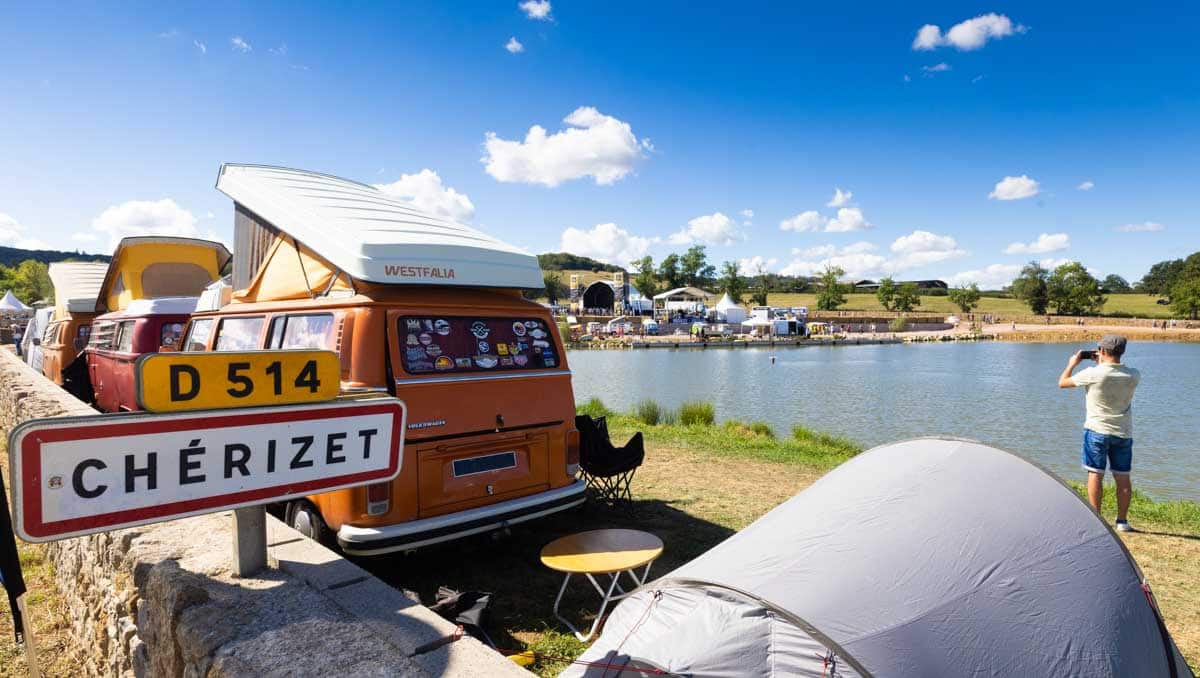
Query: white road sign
pixel 78 475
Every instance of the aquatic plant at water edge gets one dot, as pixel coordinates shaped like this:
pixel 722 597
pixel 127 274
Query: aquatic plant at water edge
pixel 697 413
pixel 648 412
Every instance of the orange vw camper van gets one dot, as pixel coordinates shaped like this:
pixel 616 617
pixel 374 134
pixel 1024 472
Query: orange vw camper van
pixel 421 308
pixel 76 286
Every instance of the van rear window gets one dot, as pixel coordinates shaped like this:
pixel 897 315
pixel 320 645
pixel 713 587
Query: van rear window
pixel 472 344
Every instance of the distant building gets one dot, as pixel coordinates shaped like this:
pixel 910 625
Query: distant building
pixel 871 285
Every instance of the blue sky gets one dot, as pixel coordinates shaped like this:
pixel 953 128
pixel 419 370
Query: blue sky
pixel 682 116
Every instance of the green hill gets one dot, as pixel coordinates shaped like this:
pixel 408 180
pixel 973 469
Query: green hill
pixel 562 261
pixel 11 256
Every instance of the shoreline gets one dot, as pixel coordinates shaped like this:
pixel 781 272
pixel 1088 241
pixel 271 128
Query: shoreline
pixel 1004 332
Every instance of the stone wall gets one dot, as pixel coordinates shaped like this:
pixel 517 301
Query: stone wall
pixel 161 600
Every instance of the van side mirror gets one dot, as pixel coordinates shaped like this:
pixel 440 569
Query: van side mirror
pixel 36 341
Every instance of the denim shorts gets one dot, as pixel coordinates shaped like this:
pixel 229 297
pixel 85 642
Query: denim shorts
pixel 1100 450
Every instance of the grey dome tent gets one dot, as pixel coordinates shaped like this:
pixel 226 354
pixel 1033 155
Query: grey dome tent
pixel 931 557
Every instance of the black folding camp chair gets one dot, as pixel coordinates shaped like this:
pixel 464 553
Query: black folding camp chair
pixel 609 470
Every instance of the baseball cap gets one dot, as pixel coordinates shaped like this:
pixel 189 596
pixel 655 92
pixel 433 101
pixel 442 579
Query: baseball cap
pixel 1113 344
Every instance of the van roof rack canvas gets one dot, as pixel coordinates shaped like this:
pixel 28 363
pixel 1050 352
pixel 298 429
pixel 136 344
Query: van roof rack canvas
pixel 77 284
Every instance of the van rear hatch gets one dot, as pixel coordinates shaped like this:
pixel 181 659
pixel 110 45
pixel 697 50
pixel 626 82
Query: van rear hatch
pixel 487 402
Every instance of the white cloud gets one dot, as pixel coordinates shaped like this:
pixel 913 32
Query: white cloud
pixel 907 78
pixel 917 249
pixel 85 237
pixel 921 248
pixel 847 219
pixel 976 79
pixel 825 251
pixel 747 217
pixel 1015 188
pixel 173 33
pixel 754 264
pixel 595 145
pixel 710 229
pixel 840 198
pixel 1144 227
pixel 1046 242
pixel 424 190
pixel 990 277
pixel 145 217
pixel 240 44
pixel 804 222
pixel 1052 263
pixel 928 37
pixel 514 46
pixel 281 50
pixel 937 68
pixel 12 234
pixel 536 9
pixel 1087 185
pixel 200 46
pixel 606 242
pixel 968 35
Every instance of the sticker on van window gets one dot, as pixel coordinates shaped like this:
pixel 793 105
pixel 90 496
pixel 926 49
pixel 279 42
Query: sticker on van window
pixel 474 344
pixel 538 334
pixel 413 325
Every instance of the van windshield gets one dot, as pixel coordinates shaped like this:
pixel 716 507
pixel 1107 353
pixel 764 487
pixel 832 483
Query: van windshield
pixel 473 344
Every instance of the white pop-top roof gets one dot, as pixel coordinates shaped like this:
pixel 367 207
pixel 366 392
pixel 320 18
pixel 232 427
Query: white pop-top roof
pixel 77 284
pixel 161 306
pixel 373 236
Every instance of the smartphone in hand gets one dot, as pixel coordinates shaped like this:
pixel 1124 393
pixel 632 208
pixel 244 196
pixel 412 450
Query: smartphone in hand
pixel 1087 355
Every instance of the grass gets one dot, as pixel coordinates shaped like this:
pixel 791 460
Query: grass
pixel 48 614
pixel 1139 305
pixel 697 413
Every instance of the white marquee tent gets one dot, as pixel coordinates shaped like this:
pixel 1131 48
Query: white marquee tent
pixel 733 313
pixel 894 564
pixel 12 304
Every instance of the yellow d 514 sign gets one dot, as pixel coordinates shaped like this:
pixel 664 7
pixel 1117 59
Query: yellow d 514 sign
pixel 170 382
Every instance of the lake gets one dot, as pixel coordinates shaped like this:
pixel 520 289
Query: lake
pixel 1004 394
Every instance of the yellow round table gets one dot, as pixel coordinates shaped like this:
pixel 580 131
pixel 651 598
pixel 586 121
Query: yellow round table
pixel 601 552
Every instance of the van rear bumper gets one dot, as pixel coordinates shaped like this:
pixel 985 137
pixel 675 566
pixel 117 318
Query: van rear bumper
pixel 368 541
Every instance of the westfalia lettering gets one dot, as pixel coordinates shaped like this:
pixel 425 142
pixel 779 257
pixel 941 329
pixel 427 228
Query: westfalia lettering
pixel 417 271
pixel 91 478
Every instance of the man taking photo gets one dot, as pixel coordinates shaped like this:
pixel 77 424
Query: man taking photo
pixel 1108 430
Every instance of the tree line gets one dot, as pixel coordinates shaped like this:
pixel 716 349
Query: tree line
pixel 28 280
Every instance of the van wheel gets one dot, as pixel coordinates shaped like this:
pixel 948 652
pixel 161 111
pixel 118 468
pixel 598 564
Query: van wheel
pixel 304 518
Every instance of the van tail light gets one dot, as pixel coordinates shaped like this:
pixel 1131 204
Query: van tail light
pixel 379 498
pixel 572 452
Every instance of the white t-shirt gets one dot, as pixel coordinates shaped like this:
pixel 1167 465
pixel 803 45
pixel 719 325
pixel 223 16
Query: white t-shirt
pixel 1110 390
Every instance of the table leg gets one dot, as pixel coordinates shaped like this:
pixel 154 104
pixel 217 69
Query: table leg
pixel 606 597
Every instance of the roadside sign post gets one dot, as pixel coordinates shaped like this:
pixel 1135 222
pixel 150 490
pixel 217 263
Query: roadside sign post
pixel 80 475
pixel 249 539
pixel 172 382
